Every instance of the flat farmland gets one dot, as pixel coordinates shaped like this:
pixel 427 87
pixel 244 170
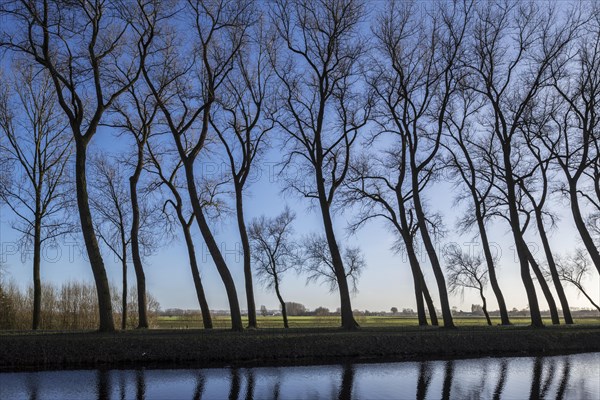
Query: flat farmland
pixel 275 322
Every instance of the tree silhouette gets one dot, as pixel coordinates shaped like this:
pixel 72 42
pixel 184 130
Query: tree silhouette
pixel 415 81
pixel 93 54
pixel 38 149
pixel 185 88
pixel 241 123
pixel 467 271
pixel 274 251
pixel 185 219
pixel 318 264
pixel 320 112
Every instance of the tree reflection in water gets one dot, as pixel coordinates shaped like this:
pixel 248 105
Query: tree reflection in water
pixel 199 388
pixel 249 384
pixel 560 393
pixel 501 380
pixel 560 377
pixel 103 384
pixel 345 392
pixel 448 372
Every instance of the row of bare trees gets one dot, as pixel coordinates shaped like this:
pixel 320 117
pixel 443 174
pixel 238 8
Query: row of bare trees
pixel 501 98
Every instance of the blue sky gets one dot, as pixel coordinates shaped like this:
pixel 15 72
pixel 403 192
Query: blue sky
pixel 385 283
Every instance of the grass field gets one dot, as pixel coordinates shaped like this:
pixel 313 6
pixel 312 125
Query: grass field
pixel 270 322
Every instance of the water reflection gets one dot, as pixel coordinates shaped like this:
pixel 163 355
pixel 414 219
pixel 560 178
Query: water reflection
pixel 448 375
pixel 424 379
pixel 250 384
pixel 347 382
pixel 561 377
pixel 103 385
pixel 501 379
pixel 199 388
pixel 564 381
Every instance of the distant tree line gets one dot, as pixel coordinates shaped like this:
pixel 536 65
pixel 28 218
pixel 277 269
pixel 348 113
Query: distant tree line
pixel 370 108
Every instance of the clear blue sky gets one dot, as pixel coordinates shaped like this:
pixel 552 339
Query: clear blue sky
pixel 385 283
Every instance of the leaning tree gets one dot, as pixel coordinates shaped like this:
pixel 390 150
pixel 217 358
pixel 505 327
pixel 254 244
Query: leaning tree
pixel 317 58
pixel 185 76
pixel 241 121
pixel 415 78
pixel 92 52
pixel 508 82
pixel 378 185
pixel 168 174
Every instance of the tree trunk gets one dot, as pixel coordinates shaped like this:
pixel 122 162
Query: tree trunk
pixel 283 309
pixel 239 206
pixel 417 280
pixel 504 319
pixel 213 248
pixel 484 308
pixel 91 242
pixel 37 282
pixel 135 242
pixel 587 239
pixel 435 263
pixel 124 296
pixel 553 271
pixel 123 258
pixel 419 283
pixel 520 245
pixel 206 317
pixel 348 321
pixel 545 288
pixel 430 306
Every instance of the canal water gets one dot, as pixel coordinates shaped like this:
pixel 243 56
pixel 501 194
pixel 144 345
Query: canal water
pixel 574 376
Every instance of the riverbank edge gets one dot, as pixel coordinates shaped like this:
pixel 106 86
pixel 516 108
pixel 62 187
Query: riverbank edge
pixel 26 351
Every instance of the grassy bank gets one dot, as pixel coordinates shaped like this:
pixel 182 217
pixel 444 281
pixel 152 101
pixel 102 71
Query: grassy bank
pixel 54 350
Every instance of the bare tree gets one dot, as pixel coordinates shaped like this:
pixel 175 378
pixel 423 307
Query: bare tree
pixel 110 200
pixel 537 270
pixel 467 271
pixel 536 187
pixel 111 203
pixel 274 251
pixel 509 81
pixel 241 125
pixel 37 145
pixel 574 269
pixel 416 78
pixel 185 218
pixel 135 116
pixel 390 198
pixel 470 164
pixel 317 263
pixel 81 45
pixel 321 112
pixel 186 87
pixel 573 136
